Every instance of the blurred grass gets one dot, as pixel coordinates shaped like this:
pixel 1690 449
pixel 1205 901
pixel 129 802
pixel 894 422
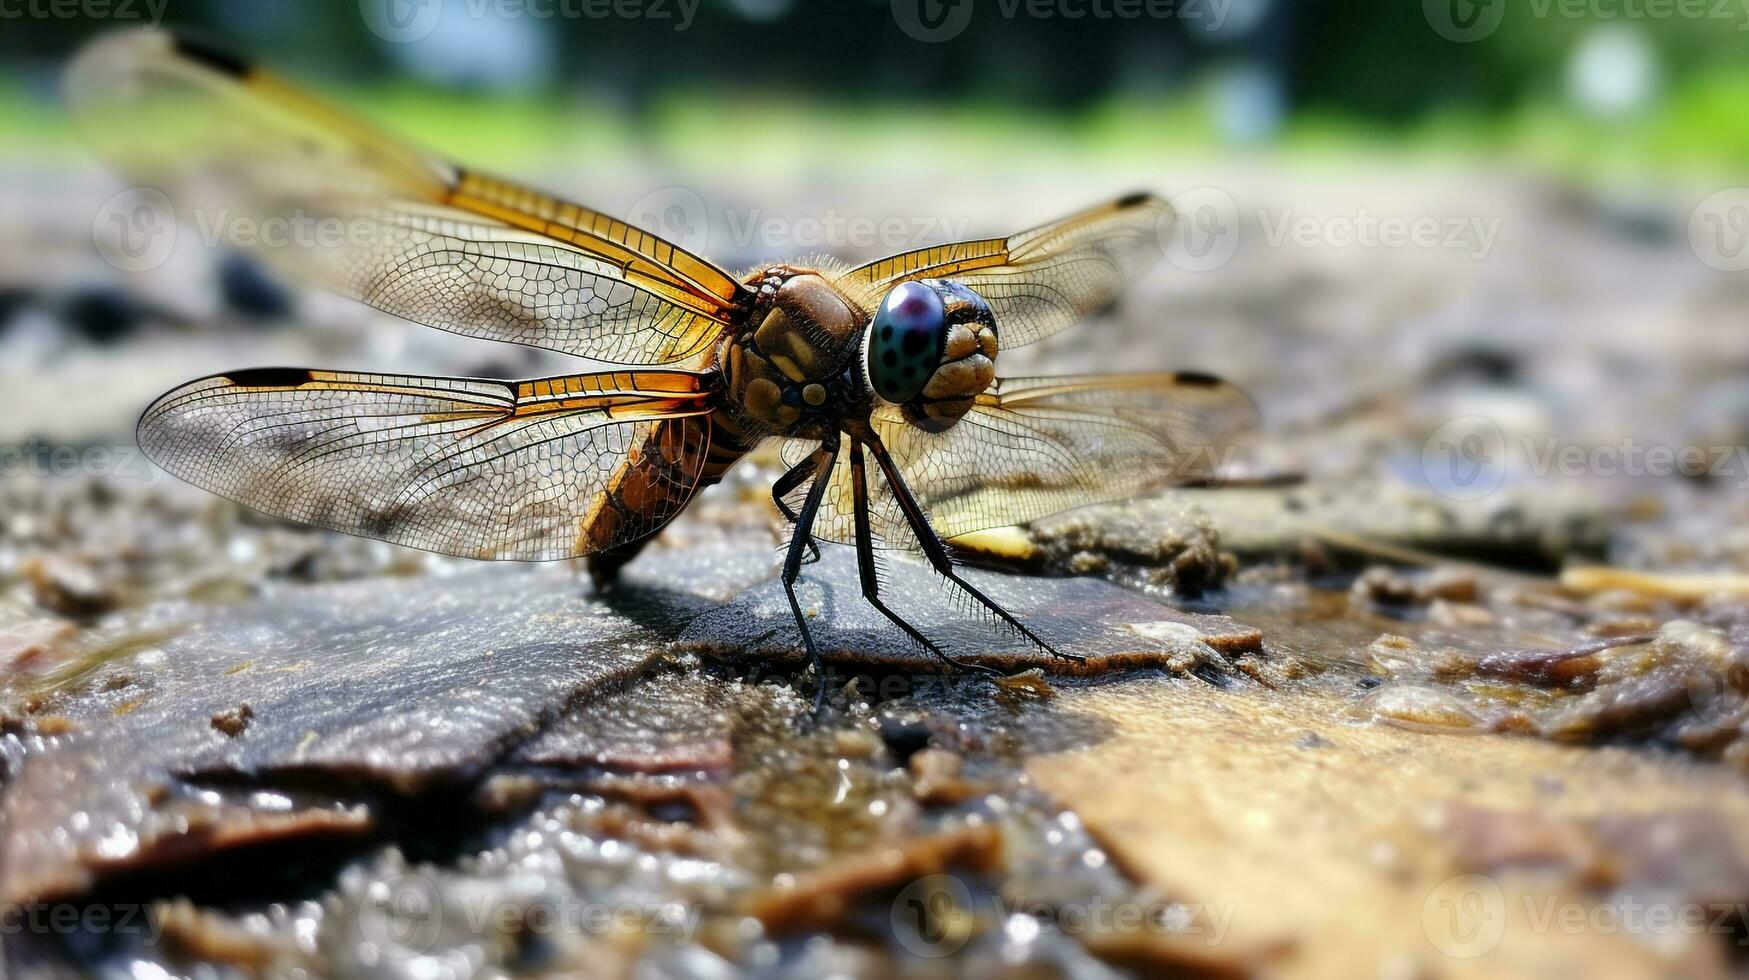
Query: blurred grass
pixel 1696 131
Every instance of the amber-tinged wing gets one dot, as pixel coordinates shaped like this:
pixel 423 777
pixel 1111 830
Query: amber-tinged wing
pixel 528 470
pixel 1032 447
pixel 1039 281
pixel 250 160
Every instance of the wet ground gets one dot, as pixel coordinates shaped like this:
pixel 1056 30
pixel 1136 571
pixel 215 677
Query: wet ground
pixel 1339 717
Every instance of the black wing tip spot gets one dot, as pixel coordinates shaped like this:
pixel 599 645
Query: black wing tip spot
pixel 1133 200
pixel 271 377
pixel 204 52
pixel 1198 379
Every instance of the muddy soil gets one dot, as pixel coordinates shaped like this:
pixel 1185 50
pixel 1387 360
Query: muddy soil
pixel 1336 716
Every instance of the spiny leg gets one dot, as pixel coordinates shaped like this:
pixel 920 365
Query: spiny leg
pixel 792 563
pixel 788 482
pixel 936 552
pixel 865 564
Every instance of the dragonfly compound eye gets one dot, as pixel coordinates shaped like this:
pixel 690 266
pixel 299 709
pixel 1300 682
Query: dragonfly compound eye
pixel 905 341
pixel 932 350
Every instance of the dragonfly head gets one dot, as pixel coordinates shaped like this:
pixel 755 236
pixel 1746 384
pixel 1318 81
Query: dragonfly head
pixel 931 350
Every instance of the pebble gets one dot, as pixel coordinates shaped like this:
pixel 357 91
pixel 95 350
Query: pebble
pixel 68 586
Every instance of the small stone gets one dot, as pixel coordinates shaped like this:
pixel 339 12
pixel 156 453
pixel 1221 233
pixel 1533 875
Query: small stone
pixel 1423 709
pixel 104 315
pixel 1622 626
pixel 855 743
pixel 1028 682
pixel 233 722
pixel 1458 614
pixel 68 586
pixel 250 291
pixel 1396 587
pixel 905 737
pixel 1450 585
pixel 1009 543
pixel 936 775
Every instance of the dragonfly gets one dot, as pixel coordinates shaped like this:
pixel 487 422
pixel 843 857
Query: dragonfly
pixel 878 379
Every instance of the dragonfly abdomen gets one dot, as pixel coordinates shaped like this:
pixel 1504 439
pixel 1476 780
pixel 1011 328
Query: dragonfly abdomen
pixel 655 482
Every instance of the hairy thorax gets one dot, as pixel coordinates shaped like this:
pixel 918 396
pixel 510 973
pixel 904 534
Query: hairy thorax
pixel 796 371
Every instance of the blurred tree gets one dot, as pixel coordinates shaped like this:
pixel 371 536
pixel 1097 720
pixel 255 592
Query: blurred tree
pixel 1370 59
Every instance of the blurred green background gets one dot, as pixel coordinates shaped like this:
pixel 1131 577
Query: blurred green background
pixel 1595 88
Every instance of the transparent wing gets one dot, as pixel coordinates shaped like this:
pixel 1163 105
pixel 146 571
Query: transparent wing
pixel 1033 447
pixel 252 161
pixel 530 470
pixel 1039 281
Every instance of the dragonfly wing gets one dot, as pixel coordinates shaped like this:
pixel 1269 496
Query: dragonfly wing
pixel 248 159
pixel 530 470
pixel 1039 281
pixel 1033 447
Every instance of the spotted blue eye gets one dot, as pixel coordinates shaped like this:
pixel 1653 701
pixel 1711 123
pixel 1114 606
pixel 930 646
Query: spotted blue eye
pixel 905 341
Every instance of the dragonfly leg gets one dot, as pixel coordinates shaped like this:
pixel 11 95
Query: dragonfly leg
pixel 865 564
pixel 788 482
pixel 792 563
pixel 936 552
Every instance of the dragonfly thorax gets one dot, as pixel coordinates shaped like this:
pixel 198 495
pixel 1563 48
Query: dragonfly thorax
pixel 931 349
pixel 797 371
